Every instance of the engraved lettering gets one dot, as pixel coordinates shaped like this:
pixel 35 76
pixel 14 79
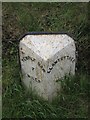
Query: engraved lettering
pixel 34 78
pixel 27 58
pixel 33 68
pixel 41 66
pixel 28 75
pixel 48 71
pixel 50 68
pixel 58 60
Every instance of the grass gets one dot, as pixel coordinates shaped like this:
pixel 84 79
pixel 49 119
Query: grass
pixel 17 103
pixel 19 18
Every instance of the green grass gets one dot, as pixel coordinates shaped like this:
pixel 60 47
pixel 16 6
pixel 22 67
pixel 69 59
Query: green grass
pixel 19 18
pixel 71 102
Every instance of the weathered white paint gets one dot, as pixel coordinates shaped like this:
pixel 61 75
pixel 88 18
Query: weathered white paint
pixel 44 60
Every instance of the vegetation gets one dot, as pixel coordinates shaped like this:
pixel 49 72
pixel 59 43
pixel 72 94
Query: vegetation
pixel 19 18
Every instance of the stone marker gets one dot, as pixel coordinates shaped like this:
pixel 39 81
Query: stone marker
pixel 45 58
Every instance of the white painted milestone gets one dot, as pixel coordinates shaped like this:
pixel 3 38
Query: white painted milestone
pixel 45 59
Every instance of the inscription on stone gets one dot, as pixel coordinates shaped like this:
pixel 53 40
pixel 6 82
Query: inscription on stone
pixel 41 66
pixel 46 59
pixel 52 65
pixel 58 60
pixel 27 58
pixel 33 78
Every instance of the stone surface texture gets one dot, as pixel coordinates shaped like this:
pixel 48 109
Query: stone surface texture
pixel 44 60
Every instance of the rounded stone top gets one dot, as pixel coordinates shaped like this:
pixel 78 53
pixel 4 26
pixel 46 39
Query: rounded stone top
pixel 46 45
